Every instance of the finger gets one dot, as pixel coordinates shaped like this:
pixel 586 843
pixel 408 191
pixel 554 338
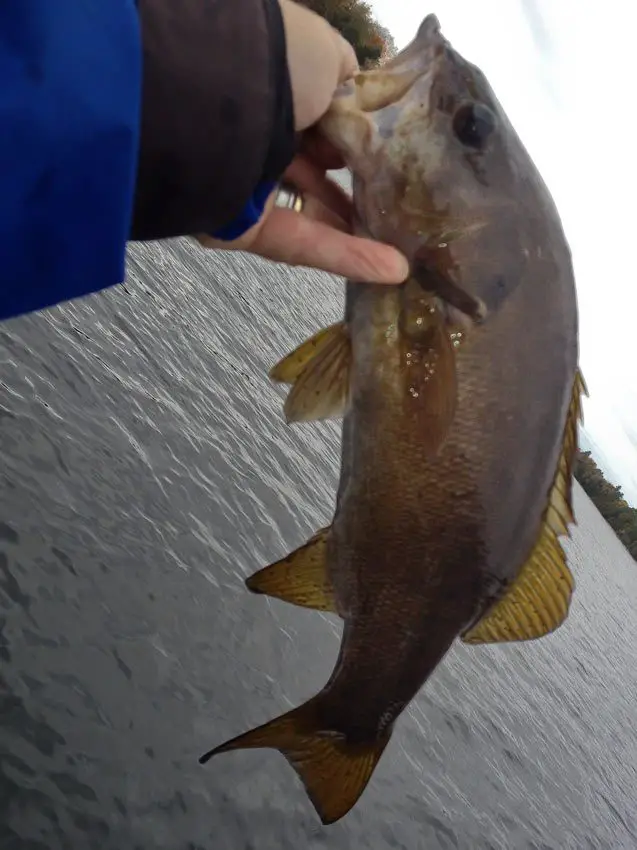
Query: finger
pixel 347 55
pixel 287 237
pixel 314 210
pixel 311 180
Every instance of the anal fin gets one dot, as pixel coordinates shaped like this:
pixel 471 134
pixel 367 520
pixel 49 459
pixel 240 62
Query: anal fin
pixel 538 601
pixel 300 578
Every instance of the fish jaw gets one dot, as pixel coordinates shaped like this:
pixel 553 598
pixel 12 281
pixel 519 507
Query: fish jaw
pixel 374 120
pixel 439 172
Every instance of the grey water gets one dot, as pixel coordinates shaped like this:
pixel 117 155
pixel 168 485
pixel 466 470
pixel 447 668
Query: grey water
pixel 145 471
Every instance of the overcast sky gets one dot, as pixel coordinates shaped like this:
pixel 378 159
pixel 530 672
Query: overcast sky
pixel 562 71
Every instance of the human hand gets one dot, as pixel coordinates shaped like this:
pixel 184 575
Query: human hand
pixel 319 59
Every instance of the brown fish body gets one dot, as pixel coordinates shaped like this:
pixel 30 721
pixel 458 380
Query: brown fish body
pixel 459 393
pixel 423 545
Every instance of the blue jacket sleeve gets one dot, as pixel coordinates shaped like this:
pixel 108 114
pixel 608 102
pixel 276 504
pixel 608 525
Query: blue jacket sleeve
pixel 69 136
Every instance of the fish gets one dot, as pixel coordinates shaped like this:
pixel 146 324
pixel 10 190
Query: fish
pixel 460 396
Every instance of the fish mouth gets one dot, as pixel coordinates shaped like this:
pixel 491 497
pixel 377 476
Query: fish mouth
pixel 429 30
pixel 422 50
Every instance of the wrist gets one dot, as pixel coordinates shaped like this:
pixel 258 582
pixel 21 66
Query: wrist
pixel 283 139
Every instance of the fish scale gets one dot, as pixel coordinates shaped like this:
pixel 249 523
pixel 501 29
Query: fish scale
pixel 460 396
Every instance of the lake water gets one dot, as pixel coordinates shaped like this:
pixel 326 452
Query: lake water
pixel 146 471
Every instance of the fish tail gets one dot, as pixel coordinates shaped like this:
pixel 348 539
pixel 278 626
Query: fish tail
pixel 334 770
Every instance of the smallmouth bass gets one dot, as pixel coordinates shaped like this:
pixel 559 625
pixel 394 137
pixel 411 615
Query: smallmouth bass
pixel 460 395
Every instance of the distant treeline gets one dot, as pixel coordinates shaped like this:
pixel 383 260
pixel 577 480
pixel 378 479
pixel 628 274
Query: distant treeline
pixel 355 20
pixel 609 501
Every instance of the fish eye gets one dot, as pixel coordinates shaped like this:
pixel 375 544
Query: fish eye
pixel 473 123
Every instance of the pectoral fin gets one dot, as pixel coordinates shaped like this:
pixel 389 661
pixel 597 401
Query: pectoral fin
pixel 441 391
pixel 288 370
pixel 300 578
pixel 319 373
pixel 538 601
pixel 430 376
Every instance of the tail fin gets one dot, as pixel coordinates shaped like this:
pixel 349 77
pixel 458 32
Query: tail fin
pixel 334 771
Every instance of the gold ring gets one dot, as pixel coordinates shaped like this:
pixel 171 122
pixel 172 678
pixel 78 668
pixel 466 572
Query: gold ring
pixel 289 198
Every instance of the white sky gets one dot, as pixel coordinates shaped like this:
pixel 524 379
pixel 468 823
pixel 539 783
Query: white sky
pixel 563 71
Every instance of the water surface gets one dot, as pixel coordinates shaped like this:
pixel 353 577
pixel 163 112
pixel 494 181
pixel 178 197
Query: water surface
pixel 146 471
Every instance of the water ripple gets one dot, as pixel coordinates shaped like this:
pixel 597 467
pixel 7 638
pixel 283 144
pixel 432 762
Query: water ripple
pixel 146 471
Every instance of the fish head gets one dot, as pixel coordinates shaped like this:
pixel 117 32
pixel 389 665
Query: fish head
pixel 439 172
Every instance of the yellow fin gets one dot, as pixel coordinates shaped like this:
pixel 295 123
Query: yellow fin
pixel 300 578
pixel 319 372
pixel 333 770
pixel 560 508
pixel 288 370
pixel 537 603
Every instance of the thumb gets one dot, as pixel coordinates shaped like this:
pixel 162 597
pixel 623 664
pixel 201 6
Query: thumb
pixel 348 61
pixel 319 59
